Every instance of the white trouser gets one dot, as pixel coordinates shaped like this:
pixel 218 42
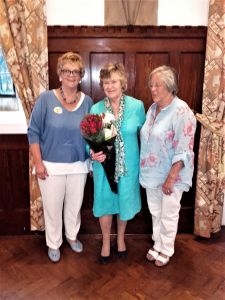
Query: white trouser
pixel 62 193
pixel 165 215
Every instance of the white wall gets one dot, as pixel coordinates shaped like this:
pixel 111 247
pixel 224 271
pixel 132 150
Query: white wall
pixel 13 122
pixel 91 12
pixel 183 12
pixel 75 12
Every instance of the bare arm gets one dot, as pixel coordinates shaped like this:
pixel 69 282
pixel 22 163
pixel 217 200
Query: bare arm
pixel 172 177
pixel 40 168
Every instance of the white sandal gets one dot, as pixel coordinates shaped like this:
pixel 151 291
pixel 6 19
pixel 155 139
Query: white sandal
pixel 152 255
pixel 163 261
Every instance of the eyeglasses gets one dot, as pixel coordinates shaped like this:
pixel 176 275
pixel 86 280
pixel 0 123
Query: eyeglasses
pixel 67 72
pixel 154 85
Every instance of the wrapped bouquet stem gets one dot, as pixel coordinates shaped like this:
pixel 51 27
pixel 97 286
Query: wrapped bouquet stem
pixel 100 133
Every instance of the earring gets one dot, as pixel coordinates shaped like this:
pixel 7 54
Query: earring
pixel 80 82
pixel 60 79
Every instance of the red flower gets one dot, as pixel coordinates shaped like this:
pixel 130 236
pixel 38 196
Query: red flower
pixel 91 127
pixel 100 133
pixel 98 128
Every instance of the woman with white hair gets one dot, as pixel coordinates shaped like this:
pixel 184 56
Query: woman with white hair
pixel 167 160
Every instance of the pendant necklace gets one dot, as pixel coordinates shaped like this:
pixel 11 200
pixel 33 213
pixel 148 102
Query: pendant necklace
pixel 76 98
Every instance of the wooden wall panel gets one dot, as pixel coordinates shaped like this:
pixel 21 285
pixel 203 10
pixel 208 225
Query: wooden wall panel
pixel 14 185
pixel 141 49
pixel 189 90
pixel 144 63
pixel 97 60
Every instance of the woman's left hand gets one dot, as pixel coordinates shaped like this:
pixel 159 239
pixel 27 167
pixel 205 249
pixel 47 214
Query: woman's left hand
pixel 98 156
pixel 167 187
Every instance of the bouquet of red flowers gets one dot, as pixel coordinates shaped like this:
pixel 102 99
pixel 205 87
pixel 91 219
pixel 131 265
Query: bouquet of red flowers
pixel 100 133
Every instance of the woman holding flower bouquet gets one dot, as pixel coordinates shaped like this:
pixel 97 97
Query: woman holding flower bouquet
pixel 129 115
pixel 59 153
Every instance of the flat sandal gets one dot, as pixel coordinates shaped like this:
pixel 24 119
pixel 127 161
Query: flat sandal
pixel 163 261
pixel 152 255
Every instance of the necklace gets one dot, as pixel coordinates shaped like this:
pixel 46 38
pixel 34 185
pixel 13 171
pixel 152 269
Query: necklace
pixel 69 101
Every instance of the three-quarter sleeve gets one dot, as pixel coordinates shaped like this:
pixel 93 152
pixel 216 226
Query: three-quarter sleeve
pixel 183 141
pixel 36 123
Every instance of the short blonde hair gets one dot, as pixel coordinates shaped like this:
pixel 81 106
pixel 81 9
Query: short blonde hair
pixel 70 57
pixel 169 76
pixel 109 69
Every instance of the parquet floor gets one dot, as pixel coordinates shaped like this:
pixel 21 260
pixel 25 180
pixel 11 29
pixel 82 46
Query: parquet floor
pixel 197 271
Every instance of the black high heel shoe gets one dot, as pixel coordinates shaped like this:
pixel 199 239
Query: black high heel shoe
pixel 119 254
pixel 122 254
pixel 104 260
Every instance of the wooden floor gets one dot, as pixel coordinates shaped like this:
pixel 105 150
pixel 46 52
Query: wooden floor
pixel 197 271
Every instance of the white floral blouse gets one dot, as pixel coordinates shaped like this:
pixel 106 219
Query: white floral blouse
pixel 166 139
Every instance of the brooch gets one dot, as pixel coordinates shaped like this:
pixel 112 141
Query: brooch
pixel 58 110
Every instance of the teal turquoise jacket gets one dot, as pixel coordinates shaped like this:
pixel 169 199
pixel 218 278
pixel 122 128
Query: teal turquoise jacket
pixel 127 202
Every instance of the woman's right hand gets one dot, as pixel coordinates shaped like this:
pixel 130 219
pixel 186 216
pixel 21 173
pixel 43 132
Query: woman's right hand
pixel 98 156
pixel 40 170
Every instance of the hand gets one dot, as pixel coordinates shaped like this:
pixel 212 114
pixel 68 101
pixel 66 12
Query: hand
pixel 41 171
pixel 167 187
pixel 98 156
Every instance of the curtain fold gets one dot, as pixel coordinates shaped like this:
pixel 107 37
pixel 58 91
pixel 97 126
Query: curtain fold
pixel 23 36
pixel 211 158
pixel 131 12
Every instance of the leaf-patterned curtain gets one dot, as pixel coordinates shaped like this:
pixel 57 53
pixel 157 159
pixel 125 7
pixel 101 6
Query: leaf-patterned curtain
pixel 23 36
pixel 211 159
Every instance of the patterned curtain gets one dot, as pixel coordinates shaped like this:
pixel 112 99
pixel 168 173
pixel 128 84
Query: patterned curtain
pixel 211 159
pixel 23 36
